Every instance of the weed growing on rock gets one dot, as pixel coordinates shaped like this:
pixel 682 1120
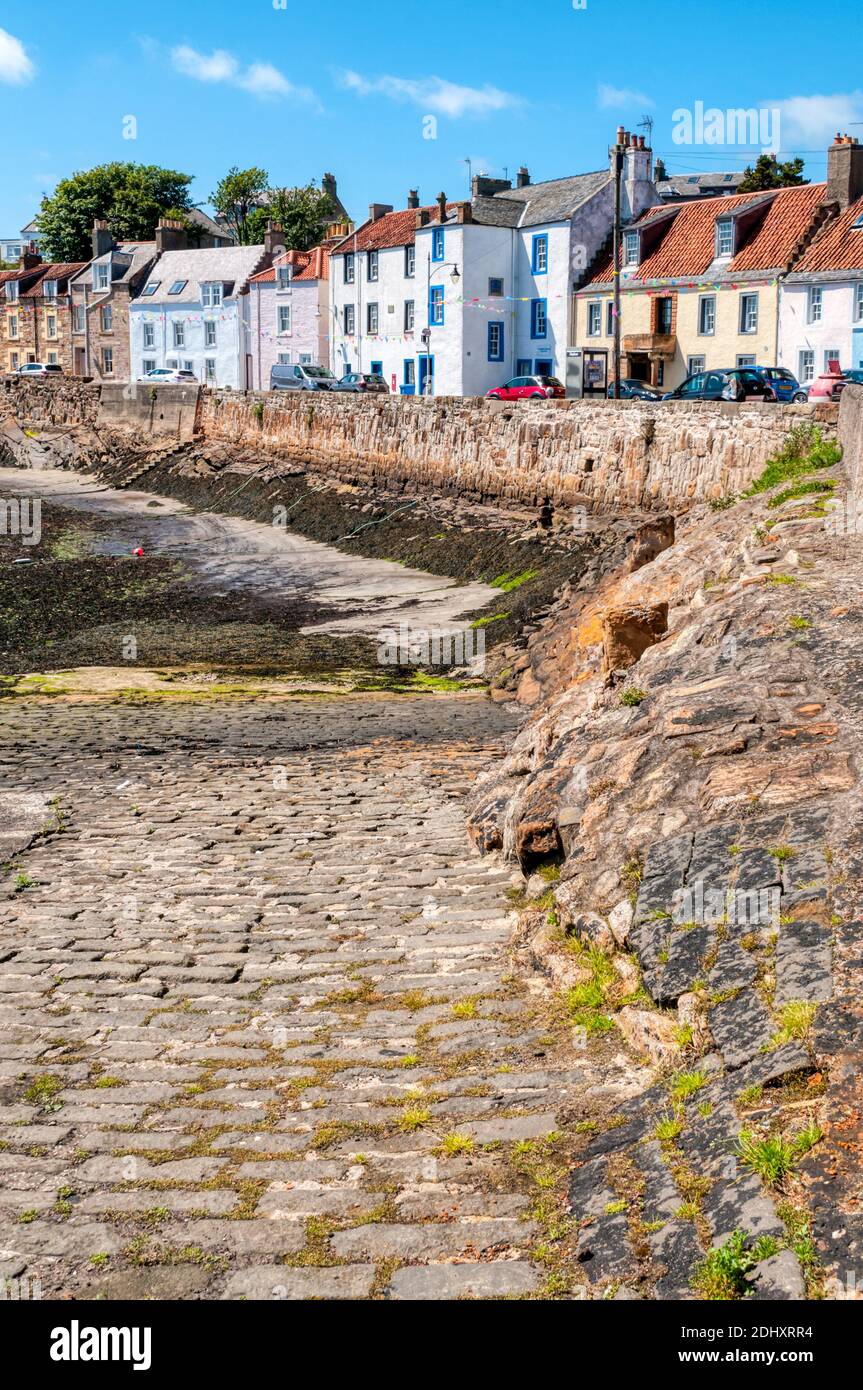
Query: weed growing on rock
pixel 685 1084
pixel 632 696
pixel 795 1021
pixel 805 450
pixel 722 1275
pixel 775 1157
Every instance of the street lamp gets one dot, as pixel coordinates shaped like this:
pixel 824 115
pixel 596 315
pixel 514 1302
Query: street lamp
pixel 452 266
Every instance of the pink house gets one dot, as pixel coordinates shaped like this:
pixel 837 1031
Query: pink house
pixel 290 312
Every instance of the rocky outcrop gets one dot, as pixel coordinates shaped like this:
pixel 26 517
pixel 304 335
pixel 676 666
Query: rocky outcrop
pixel 691 773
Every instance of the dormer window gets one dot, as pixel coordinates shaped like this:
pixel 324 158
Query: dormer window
pixel 631 248
pixel 725 237
pixel 212 293
pixel 12 291
pixel 283 276
pixel 100 275
pixel 49 289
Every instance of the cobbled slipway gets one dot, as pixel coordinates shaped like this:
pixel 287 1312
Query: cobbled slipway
pixel 258 1033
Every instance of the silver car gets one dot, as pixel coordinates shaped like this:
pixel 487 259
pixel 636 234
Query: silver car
pixel 300 377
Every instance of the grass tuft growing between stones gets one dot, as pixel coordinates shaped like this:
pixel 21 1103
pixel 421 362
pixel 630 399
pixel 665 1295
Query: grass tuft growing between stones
pixel 805 451
pixel 774 1157
pixel 722 1274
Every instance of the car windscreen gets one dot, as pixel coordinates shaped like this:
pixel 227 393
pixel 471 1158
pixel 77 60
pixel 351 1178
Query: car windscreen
pixel 319 372
pixel 548 380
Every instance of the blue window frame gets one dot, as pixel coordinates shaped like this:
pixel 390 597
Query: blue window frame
pixel 539 258
pixel 437 244
pixel 426 374
pixel 377 368
pixel 495 341
pixel 436 310
pixel 524 367
pixel 538 318
pixel 410 372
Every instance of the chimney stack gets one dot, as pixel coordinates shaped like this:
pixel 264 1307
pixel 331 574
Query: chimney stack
pixel 379 210
pixel 522 178
pixel 441 205
pixel 102 238
pixel 844 171
pixel 30 258
pixel 481 186
pixel 170 235
pixel 413 198
pixel 274 239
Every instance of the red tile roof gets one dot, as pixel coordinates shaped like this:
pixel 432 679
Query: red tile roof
pixel 308 265
pixel 839 246
pixel 58 270
pixel 393 229
pixel 688 245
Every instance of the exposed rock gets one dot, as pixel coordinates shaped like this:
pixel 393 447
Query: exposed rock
pixel 629 630
pixel 649 1033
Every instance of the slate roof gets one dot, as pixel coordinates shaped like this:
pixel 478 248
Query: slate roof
pixel 538 203
pixel 688 246
pixel 233 265
pixel 839 246
pixel 699 185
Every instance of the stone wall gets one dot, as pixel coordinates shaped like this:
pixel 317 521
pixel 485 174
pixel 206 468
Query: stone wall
pixel 42 404
pixel 599 453
pixel 851 439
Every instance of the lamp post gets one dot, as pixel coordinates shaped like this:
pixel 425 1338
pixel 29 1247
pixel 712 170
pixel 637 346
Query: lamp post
pixel 452 266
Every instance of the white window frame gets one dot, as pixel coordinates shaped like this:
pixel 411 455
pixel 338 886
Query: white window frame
pixel 49 289
pixel 285 318
pixel 178 335
pixel 372 267
pixel 858 302
pixel 695 365
pixel 106 326
pixel 410 262
pixel 594 318
pixel 373 313
pixel 209 369
pixel 409 315
pixel 108 357
pixel 210 333
pixel 11 287
pixel 806 366
pixel 703 301
pixel 284 275
pixel 212 293
pixel 51 326
pixel 815 304
pixel 724 233
pixel 631 248
pixel 148 335
pixel 831 355
pixel 100 276
pixel 350 320
pixel 748 319
pixel 148 364
pixel 350 268
pixel 79 318
pixel 745 359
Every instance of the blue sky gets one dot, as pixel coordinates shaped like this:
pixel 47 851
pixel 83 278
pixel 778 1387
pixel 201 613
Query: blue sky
pixel 301 89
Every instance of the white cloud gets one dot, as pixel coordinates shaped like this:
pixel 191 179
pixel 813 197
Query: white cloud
pixel 609 97
pixel 811 122
pixel 261 79
pixel 432 94
pixel 15 66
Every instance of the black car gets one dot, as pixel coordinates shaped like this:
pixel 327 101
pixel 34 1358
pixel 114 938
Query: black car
pixel 632 389
pixel 728 384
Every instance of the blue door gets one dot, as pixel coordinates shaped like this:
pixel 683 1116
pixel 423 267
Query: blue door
pixel 426 383
pixel 377 368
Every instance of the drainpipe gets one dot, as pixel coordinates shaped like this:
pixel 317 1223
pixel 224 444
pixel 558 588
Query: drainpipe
pixel 776 316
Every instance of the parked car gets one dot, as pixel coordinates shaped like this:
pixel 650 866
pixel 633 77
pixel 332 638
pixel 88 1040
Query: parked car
pixel 631 389
pixel 40 369
pixel 854 375
pixel 301 377
pixel 361 381
pixel 527 388
pixel 168 376
pixel 726 384
pixel 782 383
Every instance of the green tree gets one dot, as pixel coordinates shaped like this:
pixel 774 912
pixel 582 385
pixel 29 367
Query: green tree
pixel 769 173
pixel 130 197
pixel 302 214
pixel 236 198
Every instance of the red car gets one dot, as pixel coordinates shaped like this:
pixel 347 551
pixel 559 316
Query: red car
pixel 527 388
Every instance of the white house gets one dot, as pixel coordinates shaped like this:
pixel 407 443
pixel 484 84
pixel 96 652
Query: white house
pixel 457 297
pixel 290 311
pixel 193 312
pixel 821 301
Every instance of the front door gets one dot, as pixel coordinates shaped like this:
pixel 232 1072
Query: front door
pixel 426 382
pixel 857 348
pixel 80 368
pixel 544 366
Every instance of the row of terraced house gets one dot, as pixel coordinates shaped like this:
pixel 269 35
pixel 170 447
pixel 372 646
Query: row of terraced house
pixel 454 297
